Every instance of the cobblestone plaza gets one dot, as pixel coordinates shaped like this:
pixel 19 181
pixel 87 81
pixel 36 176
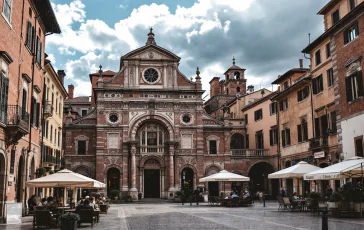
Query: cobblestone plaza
pixel 167 216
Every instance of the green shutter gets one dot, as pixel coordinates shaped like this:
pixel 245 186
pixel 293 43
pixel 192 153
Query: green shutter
pixel 349 90
pixel 299 132
pixel 288 133
pixel 359 80
pixel 283 138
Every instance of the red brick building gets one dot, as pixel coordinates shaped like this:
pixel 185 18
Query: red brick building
pixel 148 131
pixel 24 26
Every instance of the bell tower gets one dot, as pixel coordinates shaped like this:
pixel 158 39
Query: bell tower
pixel 235 82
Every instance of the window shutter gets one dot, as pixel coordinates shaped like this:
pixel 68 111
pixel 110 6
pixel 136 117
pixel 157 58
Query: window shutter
pixel 286 101
pixel 299 98
pixel 299 132
pixel 246 119
pixel 288 133
pixel 349 90
pixel 281 105
pixel 314 86
pixel 271 137
pixel 321 85
pixel 29 34
pixel 275 137
pixel 305 131
pixel 261 113
pixel 4 98
pixel 37 114
pixel 283 138
pixel 324 125
pixel 359 80
pixel 247 141
pixel 333 121
pixel 255 115
pixel 317 127
pixel 32 45
pixel 356 28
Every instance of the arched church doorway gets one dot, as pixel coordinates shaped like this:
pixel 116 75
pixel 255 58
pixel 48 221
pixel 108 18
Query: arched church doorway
pixel 259 179
pixel 113 179
pixel 187 177
pixel 152 179
pixel 19 180
pixel 213 187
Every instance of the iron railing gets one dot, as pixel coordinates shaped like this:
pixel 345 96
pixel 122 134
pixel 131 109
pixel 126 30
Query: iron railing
pixel 318 142
pixel 16 116
pixel 249 153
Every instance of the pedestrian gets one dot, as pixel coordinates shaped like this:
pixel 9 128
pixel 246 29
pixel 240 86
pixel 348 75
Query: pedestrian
pixel 196 194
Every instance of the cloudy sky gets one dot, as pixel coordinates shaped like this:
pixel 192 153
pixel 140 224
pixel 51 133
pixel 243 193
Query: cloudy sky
pixel 265 36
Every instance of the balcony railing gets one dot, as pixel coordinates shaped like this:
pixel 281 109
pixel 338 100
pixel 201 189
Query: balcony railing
pixel 249 153
pixel 17 117
pixel 48 109
pixel 49 159
pixel 318 142
pixel 154 149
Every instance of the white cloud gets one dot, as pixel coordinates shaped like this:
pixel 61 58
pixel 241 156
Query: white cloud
pixel 66 51
pixel 121 6
pixel 51 58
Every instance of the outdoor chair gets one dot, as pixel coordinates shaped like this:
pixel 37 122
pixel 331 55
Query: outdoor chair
pixel 86 217
pixel 44 219
pixel 103 208
pixel 287 203
pixel 234 202
pixel 246 201
pixel 281 203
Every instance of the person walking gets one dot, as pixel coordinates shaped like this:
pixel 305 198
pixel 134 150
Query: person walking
pixel 196 194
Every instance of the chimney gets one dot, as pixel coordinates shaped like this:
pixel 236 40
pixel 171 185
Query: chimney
pixel 61 75
pixel 301 63
pixel 70 91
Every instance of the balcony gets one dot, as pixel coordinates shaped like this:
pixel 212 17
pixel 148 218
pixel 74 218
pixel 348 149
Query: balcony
pixel 17 123
pixel 48 109
pixel 318 143
pixel 249 153
pixel 49 159
pixel 152 149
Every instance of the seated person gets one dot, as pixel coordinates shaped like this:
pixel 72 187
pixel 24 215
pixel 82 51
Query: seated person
pixel 85 205
pixel 92 202
pixel 246 194
pixel 234 195
pixel 294 197
pixel 50 204
pixel 43 202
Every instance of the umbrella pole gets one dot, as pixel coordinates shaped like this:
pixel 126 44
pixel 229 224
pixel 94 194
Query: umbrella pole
pixel 361 167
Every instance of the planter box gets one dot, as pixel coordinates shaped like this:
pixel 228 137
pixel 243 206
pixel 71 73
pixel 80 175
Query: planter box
pixel 69 225
pixel 357 206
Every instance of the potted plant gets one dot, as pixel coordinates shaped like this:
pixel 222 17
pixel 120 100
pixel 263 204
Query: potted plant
pixel 128 198
pixel 114 193
pixel 69 221
pixel 335 200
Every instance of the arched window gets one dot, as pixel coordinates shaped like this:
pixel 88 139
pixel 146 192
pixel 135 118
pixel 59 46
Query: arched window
pixel 237 75
pixel 152 138
pixel 238 89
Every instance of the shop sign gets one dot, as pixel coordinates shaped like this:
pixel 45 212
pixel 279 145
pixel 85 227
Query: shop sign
pixel 319 155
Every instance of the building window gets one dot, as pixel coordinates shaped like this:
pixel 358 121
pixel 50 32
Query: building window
pixel 273 108
pixel 317 85
pixel 285 85
pixel 7 10
pixel 330 77
pixel 318 57
pixel 246 118
pixel 12 161
pixel 46 128
pixel 302 94
pixel 321 126
pixel 55 136
pixel 286 137
pixel 259 140
pixel 4 91
pixel 351 4
pixel 351 33
pixel 213 147
pixel 335 17
pixel 38 56
pixel 59 139
pixel 359 146
pixel 302 131
pixel 238 89
pixel 151 138
pixel 273 136
pixel 51 132
pixel 30 37
pixel 328 51
pixel 283 104
pixel 247 141
pixel 354 86
pixel 81 147
pixel 56 105
pixel 83 112
pixel 35 112
pixel 333 121
pixel 258 115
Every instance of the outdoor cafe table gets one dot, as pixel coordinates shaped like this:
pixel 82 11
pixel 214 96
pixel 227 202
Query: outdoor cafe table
pixel 301 203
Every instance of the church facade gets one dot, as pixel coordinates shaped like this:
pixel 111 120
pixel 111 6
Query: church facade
pixel 148 131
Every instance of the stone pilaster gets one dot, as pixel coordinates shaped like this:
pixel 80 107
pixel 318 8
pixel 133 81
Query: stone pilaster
pixel 133 190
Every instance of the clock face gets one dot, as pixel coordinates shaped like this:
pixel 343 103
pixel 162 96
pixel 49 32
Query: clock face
pixel 151 75
pixel 186 119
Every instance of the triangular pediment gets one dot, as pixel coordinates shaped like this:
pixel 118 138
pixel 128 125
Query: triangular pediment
pixel 151 52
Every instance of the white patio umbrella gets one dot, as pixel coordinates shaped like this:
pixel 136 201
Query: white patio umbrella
pixel 295 171
pixel 224 176
pixel 65 178
pixel 351 168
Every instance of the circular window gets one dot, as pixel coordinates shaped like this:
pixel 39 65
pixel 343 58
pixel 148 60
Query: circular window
pixel 151 75
pixel 113 118
pixel 186 119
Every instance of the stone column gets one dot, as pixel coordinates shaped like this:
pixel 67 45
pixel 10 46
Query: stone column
pixel 172 188
pixel 133 190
